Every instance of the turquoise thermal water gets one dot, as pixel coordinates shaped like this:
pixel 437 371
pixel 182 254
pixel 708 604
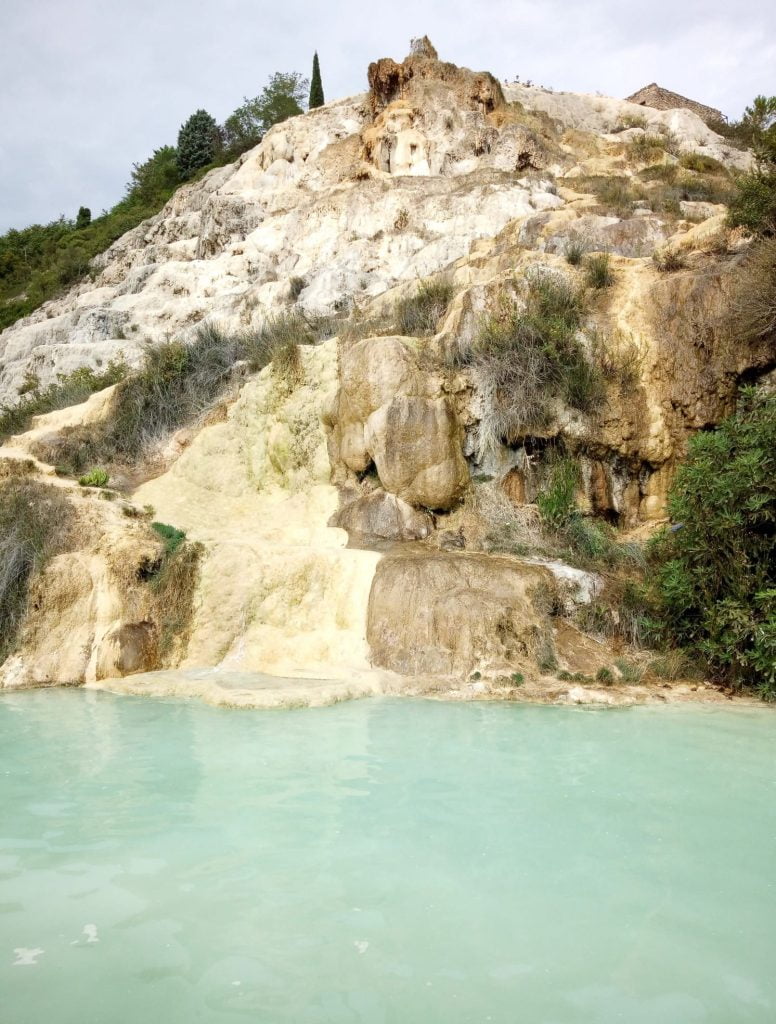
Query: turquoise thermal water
pixel 385 862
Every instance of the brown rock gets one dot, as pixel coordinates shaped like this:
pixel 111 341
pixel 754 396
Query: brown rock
pixel 416 447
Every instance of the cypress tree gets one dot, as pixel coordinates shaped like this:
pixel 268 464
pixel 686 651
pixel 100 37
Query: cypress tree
pixel 198 143
pixel 316 87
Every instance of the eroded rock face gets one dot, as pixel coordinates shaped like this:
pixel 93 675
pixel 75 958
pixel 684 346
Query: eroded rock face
pixel 127 648
pixel 391 413
pixel 446 613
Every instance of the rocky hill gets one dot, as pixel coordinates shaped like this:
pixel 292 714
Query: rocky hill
pixel 499 277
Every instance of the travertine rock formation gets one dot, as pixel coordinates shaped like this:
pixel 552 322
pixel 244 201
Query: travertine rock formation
pixel 437 171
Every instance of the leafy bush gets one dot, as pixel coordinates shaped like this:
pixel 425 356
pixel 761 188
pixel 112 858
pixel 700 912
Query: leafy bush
pixel 716 571
pixel 36 522
pixel 97 478
pixel 421 313
pixel 173 580
pixel 614 193
pixel 598 270
pixel 69 389
pixel 605 676
pixel 648 147
pixel 282 97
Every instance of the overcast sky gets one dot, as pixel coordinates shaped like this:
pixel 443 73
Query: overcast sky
pixel 91 86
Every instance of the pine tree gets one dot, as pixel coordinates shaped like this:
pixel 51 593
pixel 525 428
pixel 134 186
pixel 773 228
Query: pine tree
pixel 316 86
pixel 198 142
pixel 84 218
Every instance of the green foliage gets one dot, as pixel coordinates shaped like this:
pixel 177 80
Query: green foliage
pixel 282 97
pixel 754 205
pixel 598 270
pixel 556 502
pixel 172 537
pixel 84 218
pixel 36 523
pixel 630 671
pixel 716 574
pixel 96 478
pixel 69 389
pixel 421 313
pixel 605 676
pixel 199 140
pixel 316 86
pixel 155 179
pixel 647 147
pixel 40 261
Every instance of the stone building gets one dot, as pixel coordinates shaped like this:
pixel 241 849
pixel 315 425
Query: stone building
pixel 656 96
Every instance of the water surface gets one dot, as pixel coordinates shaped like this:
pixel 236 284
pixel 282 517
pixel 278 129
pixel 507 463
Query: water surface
pixel 384 862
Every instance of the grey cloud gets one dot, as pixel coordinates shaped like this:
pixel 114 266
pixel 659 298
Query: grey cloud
pixel 91 86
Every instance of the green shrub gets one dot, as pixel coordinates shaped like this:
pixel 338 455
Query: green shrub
pixel 556 502
pixel 754 204
pixel 701 163
pixel 754 300
pixel 716 571
pixel 172 537
pixel 421 313
pixel 96 478
pixel 615 193
pixel 69 389
pixel 605 676
pixel 598 270
pixel 660 172
pixel 36 523
pixel 648 147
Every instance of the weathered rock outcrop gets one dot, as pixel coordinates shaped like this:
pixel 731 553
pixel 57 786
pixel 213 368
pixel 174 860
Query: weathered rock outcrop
pixel 447 613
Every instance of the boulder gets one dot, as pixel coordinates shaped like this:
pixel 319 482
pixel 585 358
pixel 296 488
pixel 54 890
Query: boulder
pixel 384 516
pixel 416 447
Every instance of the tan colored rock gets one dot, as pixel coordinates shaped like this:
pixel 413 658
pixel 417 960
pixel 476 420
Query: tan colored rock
pixel 445 613
pixel 416 447
pixel 383 516
pixel 127 648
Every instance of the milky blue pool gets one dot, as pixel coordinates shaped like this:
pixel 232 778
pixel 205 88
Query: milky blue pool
pixel 385 862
